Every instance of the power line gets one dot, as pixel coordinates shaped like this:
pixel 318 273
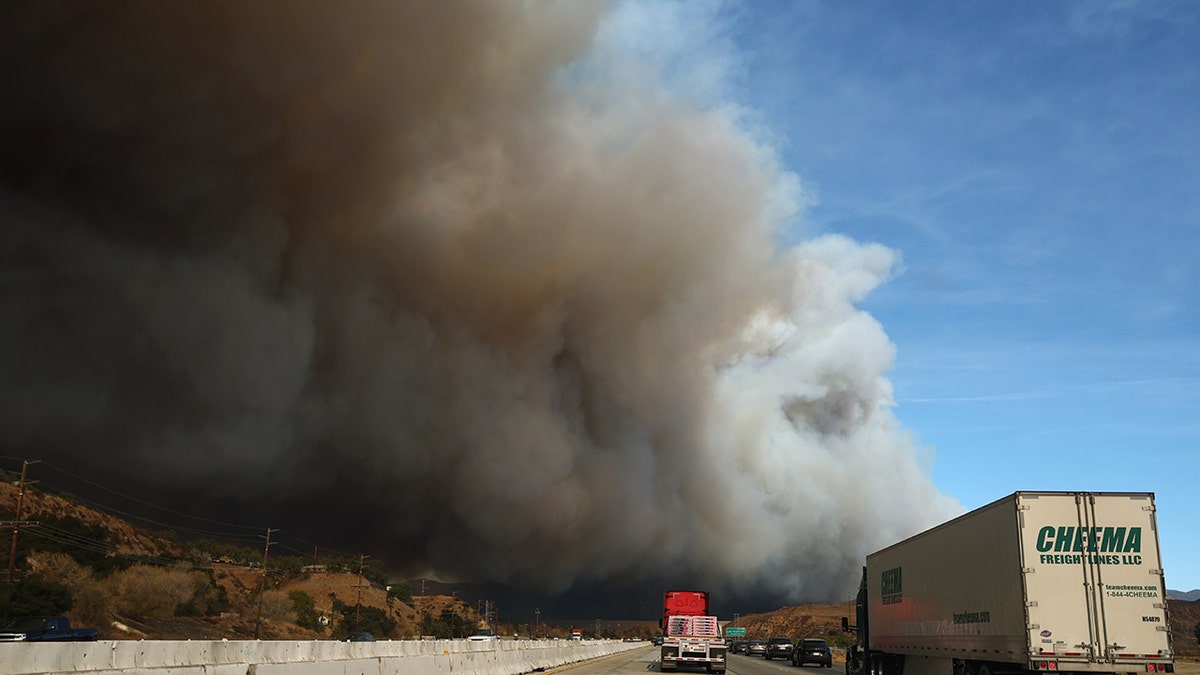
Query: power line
pixel 132 516
pixel 146 503
pixel 84 543
pixel 95 546
pixel 343 554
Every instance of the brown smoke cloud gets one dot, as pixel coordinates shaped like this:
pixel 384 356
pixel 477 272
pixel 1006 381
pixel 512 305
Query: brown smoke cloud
pixel 398 270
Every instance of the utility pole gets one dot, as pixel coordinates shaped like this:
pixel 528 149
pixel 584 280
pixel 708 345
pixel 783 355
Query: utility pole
pixel 358 602
pixel 12 557
pixel 262 588
pixel 537 621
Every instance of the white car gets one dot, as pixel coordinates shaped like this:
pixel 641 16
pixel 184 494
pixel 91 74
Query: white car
pixel 485 635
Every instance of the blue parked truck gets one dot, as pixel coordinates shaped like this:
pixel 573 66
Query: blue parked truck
pixel 46 629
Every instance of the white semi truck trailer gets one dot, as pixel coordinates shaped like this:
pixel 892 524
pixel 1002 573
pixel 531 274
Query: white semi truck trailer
pixel 1033 582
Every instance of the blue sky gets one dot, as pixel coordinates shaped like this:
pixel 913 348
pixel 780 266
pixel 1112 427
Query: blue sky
pixel 1036 166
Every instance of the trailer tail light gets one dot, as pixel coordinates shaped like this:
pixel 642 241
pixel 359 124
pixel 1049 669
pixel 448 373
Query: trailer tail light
pixel 1046 665
pixel 1156 667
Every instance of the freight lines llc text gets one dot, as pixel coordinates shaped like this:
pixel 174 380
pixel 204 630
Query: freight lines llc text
pixel 1075 559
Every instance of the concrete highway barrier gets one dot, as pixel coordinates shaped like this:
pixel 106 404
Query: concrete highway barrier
pixel 317 657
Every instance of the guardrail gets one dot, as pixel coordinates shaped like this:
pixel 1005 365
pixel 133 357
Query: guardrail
pixel 317 657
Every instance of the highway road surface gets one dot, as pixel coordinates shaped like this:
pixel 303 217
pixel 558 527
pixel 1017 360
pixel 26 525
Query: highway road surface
pixel 645 660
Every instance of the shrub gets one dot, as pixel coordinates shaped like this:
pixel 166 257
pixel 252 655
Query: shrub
pixel 59 568
pixel 144 591
pixel 449 625
pixel 843 641
pixel 400 592
pixel 357 618
pixel 34 595
pixel 436 628
pixel 306 612
pixel 208 598
pixel 276 606
pixel 93 605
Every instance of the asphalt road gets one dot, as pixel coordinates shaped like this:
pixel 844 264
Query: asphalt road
pixel 757 665
pixel 645 660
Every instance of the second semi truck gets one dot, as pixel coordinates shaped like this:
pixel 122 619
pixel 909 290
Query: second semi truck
pixel 1036 581
pixel 691 636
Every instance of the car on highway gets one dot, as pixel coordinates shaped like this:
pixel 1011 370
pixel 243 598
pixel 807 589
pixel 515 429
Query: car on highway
pixel 361 636
pixel 737 646
pixel 778 648
pixel 485 635
pixel 755 648
pixel 812 650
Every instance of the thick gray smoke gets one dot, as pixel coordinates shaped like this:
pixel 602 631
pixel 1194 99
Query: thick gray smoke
pixel 440 279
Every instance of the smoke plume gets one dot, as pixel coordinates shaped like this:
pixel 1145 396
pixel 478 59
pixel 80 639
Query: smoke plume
pixel 442 281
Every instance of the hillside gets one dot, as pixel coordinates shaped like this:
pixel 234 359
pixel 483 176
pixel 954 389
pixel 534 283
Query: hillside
pixel 1185 627
pixel 154 582
pixel 797 621
pixel 242 583
pixel 224 600
pixel 125 538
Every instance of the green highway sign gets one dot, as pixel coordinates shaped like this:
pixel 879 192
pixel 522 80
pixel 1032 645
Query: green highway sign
pixel 735 631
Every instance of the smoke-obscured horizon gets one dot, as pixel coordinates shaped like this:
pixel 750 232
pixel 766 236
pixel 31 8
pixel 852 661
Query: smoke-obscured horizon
pixel 442 277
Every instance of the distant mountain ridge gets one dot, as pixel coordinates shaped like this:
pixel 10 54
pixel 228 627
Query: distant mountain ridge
pixel 1191 596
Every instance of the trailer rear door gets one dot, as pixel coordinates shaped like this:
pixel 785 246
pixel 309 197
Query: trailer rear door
pixel 1093 582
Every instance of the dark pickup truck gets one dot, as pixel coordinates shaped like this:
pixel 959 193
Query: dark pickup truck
pixel 45 629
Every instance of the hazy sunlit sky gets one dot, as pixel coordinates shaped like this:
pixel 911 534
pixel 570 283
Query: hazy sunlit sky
pixel 1036 166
